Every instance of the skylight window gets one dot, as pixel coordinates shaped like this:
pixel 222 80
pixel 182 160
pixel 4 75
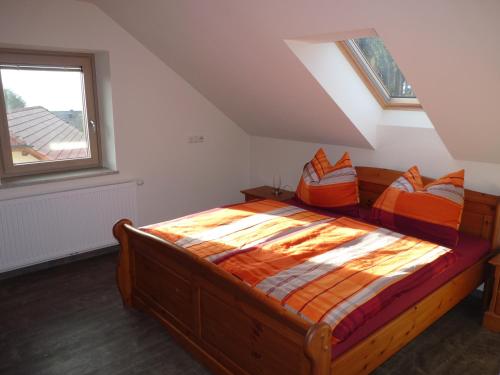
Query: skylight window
pixel 380 72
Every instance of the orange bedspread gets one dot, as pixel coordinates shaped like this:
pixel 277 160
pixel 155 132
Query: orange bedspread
pixel 336 270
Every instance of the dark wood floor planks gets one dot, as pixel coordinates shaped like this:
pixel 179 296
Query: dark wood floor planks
pixel 70 320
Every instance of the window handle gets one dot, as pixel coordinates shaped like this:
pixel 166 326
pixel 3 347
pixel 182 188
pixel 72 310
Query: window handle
pixel 92 125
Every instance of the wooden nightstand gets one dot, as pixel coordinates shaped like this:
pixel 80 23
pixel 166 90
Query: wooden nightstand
pixel 266 192
pixel 492 316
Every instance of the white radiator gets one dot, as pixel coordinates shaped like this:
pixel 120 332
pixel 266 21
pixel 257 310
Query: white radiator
pixel 50 226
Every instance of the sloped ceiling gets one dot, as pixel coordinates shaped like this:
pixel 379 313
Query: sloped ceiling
pixel 234 53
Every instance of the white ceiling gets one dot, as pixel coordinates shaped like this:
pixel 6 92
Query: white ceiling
pixel 234 53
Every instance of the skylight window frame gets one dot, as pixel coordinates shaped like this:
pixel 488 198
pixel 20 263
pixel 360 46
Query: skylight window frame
pixel 358 61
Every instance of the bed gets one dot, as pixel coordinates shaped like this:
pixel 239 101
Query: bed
pixel 234 328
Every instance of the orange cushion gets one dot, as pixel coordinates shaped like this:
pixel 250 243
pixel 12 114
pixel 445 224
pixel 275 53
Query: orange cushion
pixel 329 186
pixel 432 212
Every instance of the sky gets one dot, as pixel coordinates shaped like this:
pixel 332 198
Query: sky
pixel 54 90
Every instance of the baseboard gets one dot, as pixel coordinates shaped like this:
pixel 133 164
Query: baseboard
pixel 58 262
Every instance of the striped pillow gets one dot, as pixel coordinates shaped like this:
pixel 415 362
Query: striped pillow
pixel 432 212
pixel 330 186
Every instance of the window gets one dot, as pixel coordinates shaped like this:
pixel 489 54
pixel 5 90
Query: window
pixel 380 72
pixel 48 119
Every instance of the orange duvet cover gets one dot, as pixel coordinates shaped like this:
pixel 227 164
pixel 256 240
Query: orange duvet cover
pixel 332 269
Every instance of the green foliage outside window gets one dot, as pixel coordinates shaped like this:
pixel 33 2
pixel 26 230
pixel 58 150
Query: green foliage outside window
pixel 384 66
pixel 13 101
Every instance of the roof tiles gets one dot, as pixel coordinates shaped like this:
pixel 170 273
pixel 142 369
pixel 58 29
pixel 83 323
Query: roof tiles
pixel 39 129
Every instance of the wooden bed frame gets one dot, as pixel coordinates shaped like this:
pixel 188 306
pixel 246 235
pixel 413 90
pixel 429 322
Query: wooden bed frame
pixel 234 329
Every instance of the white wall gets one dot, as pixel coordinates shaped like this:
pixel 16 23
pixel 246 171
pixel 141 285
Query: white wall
pixel 233 52
pixel 397 148
pixel 154 111
pixel 335 74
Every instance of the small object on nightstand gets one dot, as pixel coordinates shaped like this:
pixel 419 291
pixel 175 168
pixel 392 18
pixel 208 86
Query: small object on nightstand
pixel 267 192
pixel 491 319
pixel 277 185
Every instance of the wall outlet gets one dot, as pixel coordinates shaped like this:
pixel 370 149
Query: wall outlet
pixel 196 139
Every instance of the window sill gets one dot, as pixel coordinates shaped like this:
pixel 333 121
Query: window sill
pixel 15 182
pixel 405 119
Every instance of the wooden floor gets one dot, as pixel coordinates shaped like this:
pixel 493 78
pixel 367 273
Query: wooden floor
pixel 70 320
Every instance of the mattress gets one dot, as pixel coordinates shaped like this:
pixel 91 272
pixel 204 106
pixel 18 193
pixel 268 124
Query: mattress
pixel 339 270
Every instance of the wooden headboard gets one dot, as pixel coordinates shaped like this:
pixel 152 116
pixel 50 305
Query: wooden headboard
pixel 481 215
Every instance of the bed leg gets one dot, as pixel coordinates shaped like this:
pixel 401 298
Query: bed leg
pixel 123 270
pixel 318 348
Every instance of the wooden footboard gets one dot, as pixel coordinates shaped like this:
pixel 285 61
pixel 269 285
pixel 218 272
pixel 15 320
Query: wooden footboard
pixel 226 324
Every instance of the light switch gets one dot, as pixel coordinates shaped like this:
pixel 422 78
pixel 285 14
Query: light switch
pixel 196 139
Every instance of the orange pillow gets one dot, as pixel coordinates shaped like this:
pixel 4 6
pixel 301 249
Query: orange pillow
pixel 432 212
pixel 329 186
